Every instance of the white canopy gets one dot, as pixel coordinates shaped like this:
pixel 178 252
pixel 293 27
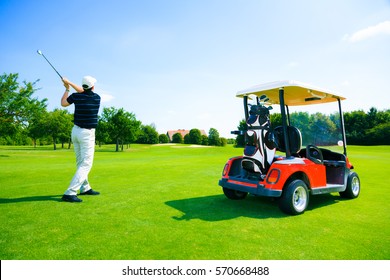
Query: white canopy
pixel 295 93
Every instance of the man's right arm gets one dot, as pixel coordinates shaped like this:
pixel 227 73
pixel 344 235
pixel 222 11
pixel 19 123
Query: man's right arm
pixel 77 88
pixel 64 101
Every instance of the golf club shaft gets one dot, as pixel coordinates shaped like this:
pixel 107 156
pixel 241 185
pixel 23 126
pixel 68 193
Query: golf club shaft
pixel 50 64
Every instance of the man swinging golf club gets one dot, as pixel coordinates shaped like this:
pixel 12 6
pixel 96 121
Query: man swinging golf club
pixel 87 105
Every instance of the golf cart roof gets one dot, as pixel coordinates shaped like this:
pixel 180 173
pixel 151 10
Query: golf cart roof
pixel 295 93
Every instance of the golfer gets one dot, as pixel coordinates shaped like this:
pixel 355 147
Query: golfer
pixel 87 105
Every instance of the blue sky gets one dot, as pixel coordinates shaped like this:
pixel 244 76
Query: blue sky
pixel 178 64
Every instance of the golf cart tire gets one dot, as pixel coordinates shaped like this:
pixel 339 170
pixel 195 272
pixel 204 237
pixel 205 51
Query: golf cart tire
pixel 234 194
pixel 353 186
pixel 295 198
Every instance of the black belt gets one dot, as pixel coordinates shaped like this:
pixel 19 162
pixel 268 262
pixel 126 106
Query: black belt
pixel 89 128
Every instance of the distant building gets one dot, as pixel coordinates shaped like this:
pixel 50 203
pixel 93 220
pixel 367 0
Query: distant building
pixel 183 133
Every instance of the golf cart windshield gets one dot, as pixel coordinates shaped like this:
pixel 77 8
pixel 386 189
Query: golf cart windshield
pixel 319 125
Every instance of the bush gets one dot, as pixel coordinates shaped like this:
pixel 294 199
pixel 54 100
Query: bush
pixel 195 137
pixel 222 142
pixel 163 138
pixel 148 135
pixel 379 135
pixel 187 139
pixel 205 140
pixel 177 138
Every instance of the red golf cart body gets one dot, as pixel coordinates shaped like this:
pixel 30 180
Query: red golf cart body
pixel 298 172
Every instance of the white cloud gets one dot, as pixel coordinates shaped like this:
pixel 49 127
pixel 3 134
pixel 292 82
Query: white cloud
pixel 106 97
pixel 369 32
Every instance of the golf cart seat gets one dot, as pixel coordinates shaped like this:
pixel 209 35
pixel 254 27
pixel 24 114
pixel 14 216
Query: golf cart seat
pixel 294 136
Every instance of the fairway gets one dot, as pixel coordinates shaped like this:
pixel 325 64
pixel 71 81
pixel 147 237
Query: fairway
pixel 163 202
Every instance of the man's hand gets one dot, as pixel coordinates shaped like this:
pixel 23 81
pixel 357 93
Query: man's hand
pixel 66 83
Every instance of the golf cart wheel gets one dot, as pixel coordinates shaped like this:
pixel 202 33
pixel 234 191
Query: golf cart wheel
pixel 234 194
pixel 295 198
pixel 353 186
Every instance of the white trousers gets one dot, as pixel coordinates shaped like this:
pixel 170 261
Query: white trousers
pixel 84 148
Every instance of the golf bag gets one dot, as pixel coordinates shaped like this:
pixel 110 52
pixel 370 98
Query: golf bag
pixel 259 149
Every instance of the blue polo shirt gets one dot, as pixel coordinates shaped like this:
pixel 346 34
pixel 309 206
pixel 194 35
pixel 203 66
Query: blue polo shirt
pixel 86 110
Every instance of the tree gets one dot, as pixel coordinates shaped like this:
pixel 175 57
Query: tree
pixel 322 131
pixel 379 135
pixel 371 117
pixel 102 134
pixel 122 126
pixel 231 141
pixel 355 127
pixel 383 117
pixel 68 125
pixel 17 105
pixel 58 125
pixel 240 139
pixel 205 140
pixel 187 139
pixel 195 136
pixel 213 139
pixel 148 135
pixel 163 138
pixel 222 142
pixel 36 127
pixel 177 138
pixel 367 129
pixel 301 121
pixel 276 119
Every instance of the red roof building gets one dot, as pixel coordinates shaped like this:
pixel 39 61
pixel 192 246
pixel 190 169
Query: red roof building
pixel 183 133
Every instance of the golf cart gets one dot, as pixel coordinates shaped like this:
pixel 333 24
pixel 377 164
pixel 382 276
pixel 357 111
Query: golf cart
pixel 299 171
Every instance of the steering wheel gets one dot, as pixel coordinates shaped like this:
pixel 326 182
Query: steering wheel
pixel 314 154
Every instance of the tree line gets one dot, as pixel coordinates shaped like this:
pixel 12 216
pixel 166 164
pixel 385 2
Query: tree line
pixel 361 128
pixel 196 137
pixel 25 120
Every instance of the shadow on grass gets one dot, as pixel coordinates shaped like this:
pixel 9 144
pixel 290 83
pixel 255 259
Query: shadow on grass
pixel 218 207
pixel 318 201
pixel 31 199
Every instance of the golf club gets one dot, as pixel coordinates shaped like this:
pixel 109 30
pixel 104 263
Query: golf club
pixel 40 53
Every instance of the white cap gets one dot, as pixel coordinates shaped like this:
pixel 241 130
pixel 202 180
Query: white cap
pixel 88 82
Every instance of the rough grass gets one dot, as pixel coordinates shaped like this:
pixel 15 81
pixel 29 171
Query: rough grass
pixel 164 203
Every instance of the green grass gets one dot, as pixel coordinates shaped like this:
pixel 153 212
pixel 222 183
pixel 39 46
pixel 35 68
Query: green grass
pixel 164 202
